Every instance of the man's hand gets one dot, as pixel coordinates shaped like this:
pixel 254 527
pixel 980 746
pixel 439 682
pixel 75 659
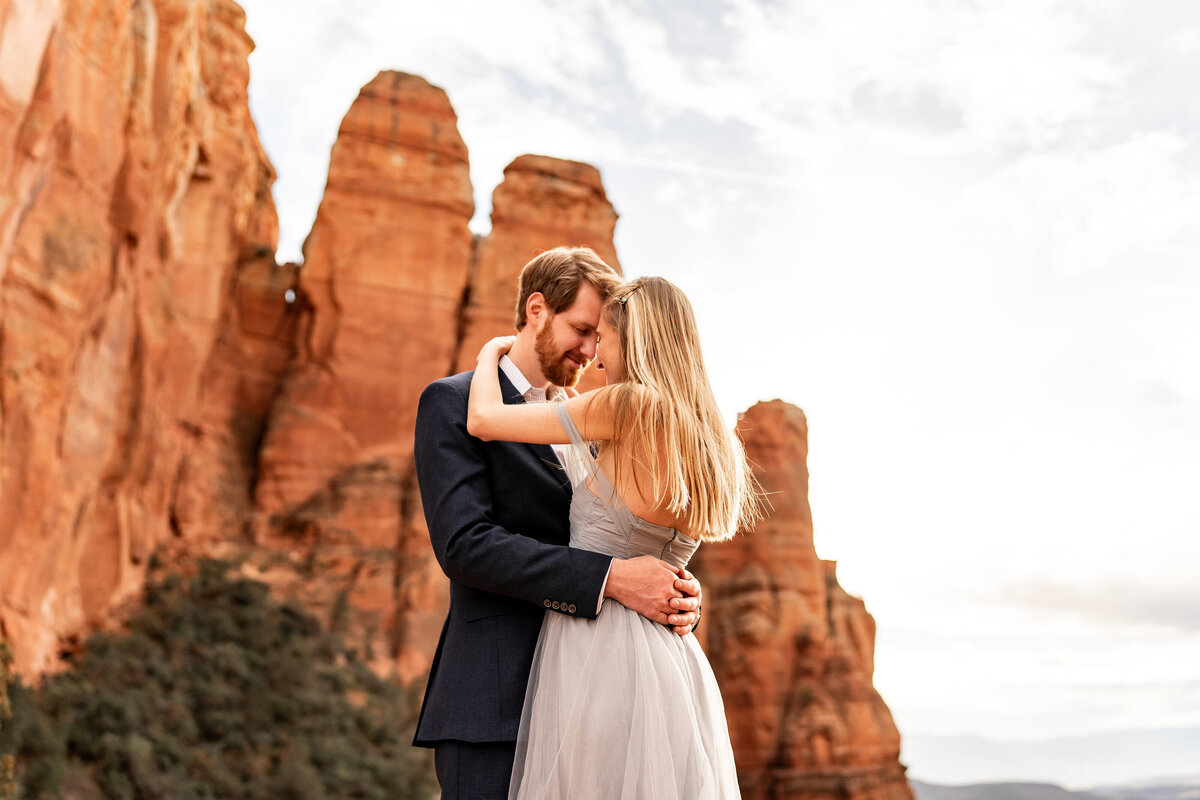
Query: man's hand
pixel 687 608
pixel 644 584
pixel 656 590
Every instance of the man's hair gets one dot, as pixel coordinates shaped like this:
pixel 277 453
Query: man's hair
pixel 557 274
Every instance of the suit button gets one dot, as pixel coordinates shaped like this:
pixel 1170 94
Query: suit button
pixel 546 603
pixel 556 605
pixel 571 608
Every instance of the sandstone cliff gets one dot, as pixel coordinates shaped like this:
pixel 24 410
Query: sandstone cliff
pixel 134 194
pixel 793 652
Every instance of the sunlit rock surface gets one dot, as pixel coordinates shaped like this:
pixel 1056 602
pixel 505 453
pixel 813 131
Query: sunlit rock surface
pixel 134 195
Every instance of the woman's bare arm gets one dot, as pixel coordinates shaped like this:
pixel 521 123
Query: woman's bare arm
pixel 488 417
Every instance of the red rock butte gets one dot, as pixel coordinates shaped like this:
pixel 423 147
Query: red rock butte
pixel 158 391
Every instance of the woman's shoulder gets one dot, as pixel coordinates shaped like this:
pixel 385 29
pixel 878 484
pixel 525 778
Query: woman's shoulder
pixel 636 395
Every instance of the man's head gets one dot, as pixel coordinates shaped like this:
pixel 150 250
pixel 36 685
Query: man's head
pixel 562 292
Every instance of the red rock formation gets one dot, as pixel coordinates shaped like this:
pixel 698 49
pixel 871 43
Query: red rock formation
pixel 794 654
pixel 384 273
pixel 542 203
pixel 132 185
pixel 213 499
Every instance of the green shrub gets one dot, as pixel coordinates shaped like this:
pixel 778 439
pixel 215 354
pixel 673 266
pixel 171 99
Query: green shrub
pixel 7 787
pixel 217 692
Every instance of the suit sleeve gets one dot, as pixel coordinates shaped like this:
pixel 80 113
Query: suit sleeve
pixel 472 549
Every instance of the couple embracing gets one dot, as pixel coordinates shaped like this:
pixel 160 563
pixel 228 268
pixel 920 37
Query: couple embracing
pixel 566 666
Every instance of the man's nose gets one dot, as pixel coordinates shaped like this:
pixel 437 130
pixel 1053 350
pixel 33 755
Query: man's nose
pixel 589 347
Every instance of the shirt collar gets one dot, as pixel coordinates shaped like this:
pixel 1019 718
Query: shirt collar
pixel 528 391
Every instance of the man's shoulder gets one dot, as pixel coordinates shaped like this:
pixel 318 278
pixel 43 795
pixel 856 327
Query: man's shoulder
pixel 460 382
pixel 445 397
pixel 455 389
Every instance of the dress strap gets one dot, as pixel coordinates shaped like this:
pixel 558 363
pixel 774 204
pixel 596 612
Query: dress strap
pixel 580 463
pixel 568 424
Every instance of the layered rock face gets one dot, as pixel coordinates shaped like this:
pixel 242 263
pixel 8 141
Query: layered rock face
pixel 385 268
pixel 133 195
pixel 793 652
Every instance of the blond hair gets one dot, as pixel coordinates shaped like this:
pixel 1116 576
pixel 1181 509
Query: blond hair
pixel 557 274
pixel 665 409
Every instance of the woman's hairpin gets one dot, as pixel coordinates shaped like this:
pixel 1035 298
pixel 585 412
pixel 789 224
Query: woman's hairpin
pixel 623 299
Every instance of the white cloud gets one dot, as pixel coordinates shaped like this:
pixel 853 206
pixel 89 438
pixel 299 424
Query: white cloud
pixel 1118 601
pixel 1184 42
pixel 1112 207
pixel 1011 667
pixel 1012 72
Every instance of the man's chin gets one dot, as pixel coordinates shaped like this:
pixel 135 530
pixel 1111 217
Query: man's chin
pixel 566 377
pixel 573 379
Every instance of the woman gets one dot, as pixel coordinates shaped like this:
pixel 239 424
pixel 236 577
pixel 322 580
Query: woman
pixel 618 706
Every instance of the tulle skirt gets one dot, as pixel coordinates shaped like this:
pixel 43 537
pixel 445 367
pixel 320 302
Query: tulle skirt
pixel 619 707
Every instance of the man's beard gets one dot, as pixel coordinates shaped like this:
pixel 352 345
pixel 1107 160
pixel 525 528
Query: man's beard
pixel 553 363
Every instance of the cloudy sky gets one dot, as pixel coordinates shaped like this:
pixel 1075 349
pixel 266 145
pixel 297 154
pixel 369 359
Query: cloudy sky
pixel 963 236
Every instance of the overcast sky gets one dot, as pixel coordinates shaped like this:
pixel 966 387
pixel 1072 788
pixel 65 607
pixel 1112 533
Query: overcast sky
pixel 963 236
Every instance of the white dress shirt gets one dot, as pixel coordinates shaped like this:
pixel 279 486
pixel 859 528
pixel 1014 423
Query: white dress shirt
pixel 535 394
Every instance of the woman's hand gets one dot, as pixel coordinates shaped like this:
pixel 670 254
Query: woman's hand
pixel 495 348
pixel 686 616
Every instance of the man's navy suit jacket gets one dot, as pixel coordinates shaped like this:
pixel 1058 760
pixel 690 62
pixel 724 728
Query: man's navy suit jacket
pixel 498 521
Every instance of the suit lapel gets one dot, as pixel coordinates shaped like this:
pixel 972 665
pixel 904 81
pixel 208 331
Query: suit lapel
pixel 542 452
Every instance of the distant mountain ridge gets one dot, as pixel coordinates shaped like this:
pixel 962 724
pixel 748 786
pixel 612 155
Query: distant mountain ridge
pixel 1174 789
pixel 1165 789
pixel 996 791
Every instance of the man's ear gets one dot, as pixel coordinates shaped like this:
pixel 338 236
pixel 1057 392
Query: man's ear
pixel 535 306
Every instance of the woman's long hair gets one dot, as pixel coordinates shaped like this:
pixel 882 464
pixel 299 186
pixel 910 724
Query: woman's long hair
pixel 665 410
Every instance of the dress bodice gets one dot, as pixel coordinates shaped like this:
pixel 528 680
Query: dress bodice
pixel 600 520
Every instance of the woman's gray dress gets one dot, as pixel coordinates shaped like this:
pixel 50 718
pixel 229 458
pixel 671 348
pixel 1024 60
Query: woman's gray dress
pixel 619 706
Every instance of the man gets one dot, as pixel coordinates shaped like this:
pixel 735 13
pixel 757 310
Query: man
pixel 498 521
